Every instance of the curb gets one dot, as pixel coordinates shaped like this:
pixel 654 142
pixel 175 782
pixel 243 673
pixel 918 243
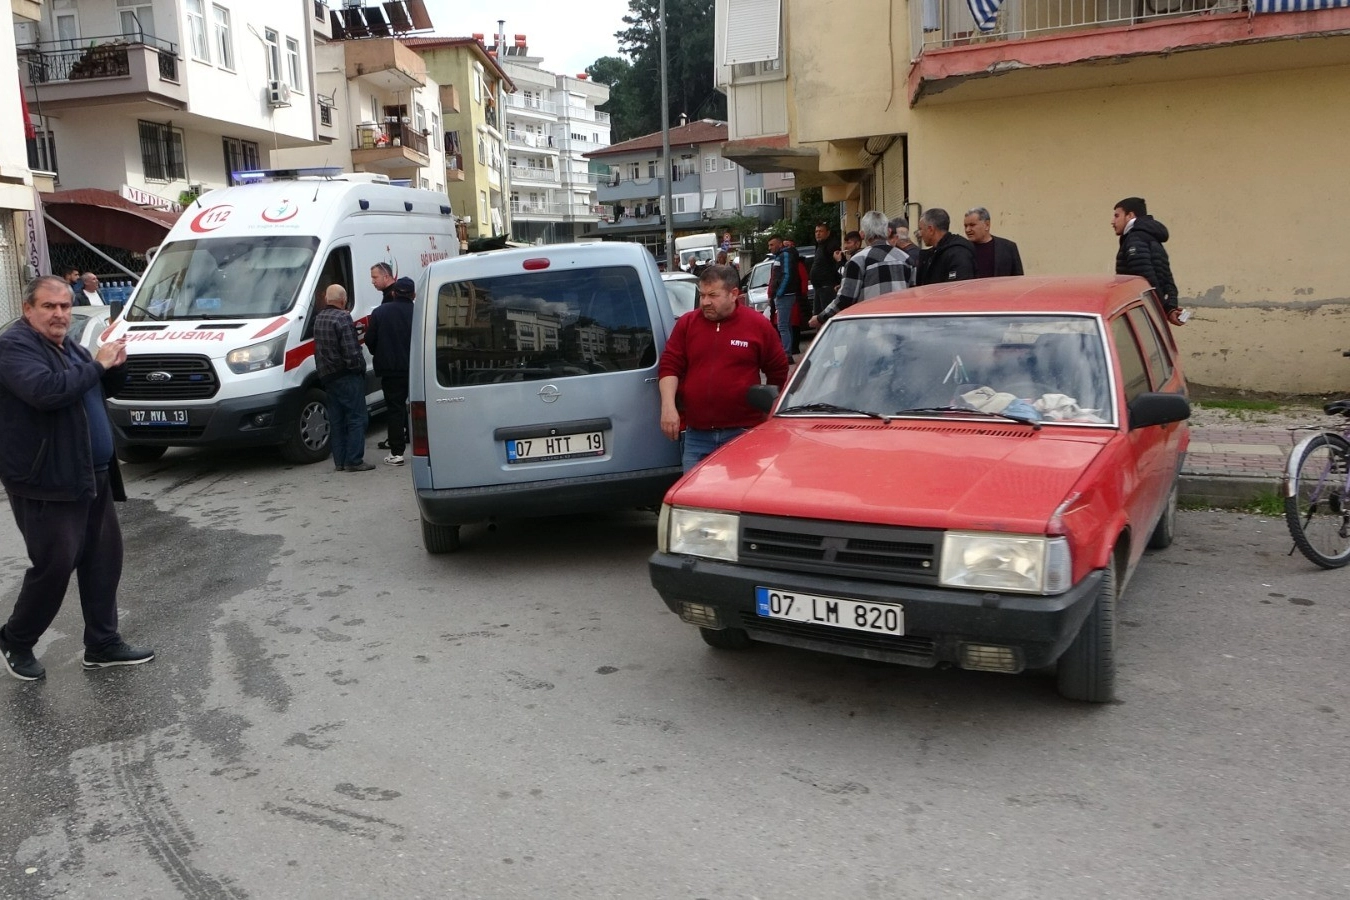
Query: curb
pixel 1225 491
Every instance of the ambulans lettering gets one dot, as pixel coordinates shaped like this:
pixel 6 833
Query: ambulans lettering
pixel 429 258
pixel 176 336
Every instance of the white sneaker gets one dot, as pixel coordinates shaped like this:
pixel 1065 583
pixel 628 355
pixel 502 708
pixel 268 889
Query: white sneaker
pixel 393 459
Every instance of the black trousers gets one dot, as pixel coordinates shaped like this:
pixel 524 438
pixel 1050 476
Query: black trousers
pixel 80 536
pixel 396 407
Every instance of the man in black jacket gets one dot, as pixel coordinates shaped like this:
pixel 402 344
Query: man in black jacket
pixel 824 270
pixel 948 257
pixel 1142 253
pixel 389 337
pixel 995 256
pixel 58 467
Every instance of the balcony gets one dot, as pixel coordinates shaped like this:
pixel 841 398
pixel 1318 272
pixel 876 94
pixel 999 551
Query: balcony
pixel 528 174
pixel 533 141
pixel 640 189
pixel 322 27
pixel 638 220
pixel 454 167
pixel 545 108
pixel 393 145
pixel 385 63
pixel 1031 39
pixel 585 114
pixel 111 70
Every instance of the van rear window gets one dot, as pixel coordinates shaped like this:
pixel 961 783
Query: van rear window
pixel 537 325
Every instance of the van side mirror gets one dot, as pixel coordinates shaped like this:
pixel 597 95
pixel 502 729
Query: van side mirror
pixel 762 396
pixel 1158 409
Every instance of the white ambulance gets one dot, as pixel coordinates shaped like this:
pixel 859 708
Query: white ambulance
pixel 219 331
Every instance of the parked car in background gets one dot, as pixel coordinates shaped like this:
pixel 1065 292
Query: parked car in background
pixel 86 324
pixel 682 288
pixel 962 474
pixel 756 283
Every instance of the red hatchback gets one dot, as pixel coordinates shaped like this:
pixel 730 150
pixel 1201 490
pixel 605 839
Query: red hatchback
pixel 965 474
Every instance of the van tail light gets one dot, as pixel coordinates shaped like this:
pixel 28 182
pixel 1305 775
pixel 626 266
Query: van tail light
pixel 418 410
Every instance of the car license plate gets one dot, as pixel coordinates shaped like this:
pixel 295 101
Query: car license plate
pixel 555 447
pixel 169 417
pixel 837 612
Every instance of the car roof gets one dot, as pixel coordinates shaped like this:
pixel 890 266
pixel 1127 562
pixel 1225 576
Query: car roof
pixel 678 276
pixel 1082 294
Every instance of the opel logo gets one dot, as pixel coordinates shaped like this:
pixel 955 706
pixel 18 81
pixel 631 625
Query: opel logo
pixel 548 393
pixel 159 376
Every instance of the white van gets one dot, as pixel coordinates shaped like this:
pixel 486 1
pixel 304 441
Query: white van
pixel 219 332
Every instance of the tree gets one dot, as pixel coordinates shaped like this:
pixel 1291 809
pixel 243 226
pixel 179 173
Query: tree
pixel 810 210
pixel 616 72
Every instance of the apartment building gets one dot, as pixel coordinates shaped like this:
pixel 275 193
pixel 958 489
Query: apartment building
pixel 551 122
pixel 17 200
pixel 1047 112
pixel 707 187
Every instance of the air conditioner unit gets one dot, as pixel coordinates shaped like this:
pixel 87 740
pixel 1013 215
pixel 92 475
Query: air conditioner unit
pixel 26 33
pixel 278 94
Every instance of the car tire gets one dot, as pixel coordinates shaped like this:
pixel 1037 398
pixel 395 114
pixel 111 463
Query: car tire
pixel 1087 670
pixel 440 538
pixel 307 434
pixel 725 638
pixel 1166 529
pixel 139 453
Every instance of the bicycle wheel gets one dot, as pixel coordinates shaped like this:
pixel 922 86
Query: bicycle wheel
pixel 1317 504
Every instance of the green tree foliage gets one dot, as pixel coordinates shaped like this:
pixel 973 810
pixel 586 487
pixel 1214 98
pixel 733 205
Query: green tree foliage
pixel 635 91
pixel 810 210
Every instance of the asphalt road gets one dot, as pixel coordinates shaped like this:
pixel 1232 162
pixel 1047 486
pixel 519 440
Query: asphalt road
pixel 335 713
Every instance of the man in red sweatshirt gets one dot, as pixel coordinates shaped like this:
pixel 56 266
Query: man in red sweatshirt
pixel 710 361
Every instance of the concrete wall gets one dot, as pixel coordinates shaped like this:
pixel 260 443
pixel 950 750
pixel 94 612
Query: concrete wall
pixel 1241 169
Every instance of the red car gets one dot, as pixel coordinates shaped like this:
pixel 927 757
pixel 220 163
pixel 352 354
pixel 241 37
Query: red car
pixel 965 473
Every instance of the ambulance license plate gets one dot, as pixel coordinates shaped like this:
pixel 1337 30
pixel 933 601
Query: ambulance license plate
pixel 165 417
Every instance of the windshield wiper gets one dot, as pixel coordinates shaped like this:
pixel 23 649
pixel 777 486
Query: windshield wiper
pixel 1025 420
pixel 831 407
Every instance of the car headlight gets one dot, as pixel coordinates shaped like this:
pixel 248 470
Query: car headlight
pixel 1022 563
pixel 257 356
pixel 700 532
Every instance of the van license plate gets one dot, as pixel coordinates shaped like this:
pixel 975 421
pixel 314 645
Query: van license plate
pixel 170 417
pixel 555 447
pixel 837 612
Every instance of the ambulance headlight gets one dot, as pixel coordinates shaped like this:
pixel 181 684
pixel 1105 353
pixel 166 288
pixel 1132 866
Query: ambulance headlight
pixel 256 357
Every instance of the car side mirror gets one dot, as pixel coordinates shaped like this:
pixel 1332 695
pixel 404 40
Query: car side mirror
pixel 1158 409
pixel 762 396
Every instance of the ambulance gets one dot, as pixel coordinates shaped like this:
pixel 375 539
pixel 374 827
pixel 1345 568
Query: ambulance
pixel 219 332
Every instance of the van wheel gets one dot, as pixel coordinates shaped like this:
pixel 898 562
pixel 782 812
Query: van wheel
pixel 725 638
pixel 307 434
pixel 1087 670
pixel 440 538
pixel 139 453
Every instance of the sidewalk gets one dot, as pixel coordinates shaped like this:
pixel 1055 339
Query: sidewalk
pixel 1233 463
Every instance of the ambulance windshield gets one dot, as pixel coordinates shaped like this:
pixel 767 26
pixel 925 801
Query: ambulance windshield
pixel 224 278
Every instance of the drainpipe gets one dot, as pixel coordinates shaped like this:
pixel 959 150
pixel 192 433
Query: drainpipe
pixel 671 261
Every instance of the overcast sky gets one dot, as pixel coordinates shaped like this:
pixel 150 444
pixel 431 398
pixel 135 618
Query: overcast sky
pixel 568 34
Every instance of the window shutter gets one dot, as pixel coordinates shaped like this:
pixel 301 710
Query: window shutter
pixel 752 29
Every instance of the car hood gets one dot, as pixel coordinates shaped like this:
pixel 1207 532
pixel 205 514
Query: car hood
pixel 921 474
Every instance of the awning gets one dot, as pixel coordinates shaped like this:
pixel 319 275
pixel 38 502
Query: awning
pixel 106 218
pixel 1279 6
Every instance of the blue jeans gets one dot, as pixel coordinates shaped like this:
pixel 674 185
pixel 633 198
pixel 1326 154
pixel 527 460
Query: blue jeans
pixel 782 307
pixel 347 417
pixel 698 444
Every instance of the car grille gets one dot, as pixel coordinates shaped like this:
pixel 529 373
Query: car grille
pixel 880 552
pixel 192 378
pixel 908 645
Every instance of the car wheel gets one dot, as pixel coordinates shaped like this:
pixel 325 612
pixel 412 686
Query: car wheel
pixel 1087 670
pixel 725 638
pixel 139 453
pixel 1166 529
pixel 440 538
pixel 307 434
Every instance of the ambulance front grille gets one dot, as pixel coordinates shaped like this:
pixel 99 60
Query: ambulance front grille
pixel 156 376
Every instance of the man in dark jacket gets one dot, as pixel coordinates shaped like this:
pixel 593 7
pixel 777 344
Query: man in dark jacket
pixel 995 256
pixel 389 337
pixel 948 257
pixel 1142 253
pixel 824 270
pixel 342 370
pixel 58 467
pixel 382 277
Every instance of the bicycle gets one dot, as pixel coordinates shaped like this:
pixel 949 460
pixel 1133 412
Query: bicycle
pixel 1316 490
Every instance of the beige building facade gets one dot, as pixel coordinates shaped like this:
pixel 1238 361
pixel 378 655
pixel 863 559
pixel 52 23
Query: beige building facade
pixel 1224 120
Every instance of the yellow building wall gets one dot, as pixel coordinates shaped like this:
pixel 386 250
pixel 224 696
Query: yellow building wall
pixel 1248 173
pixel 454 66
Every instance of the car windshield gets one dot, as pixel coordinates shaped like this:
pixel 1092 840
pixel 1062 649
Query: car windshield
pixel 759 275
pixel 683 294
pixel 224 278
pixel 1033 368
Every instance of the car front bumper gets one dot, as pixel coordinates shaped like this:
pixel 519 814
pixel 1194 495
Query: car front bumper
pixel 941 624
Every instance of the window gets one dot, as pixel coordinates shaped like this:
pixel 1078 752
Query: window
pixel 651 168
pixel 729 199
pixel 440 187
pixel 273 52
pixel 549 324
pixel 224 40
pixel 136 19
pixel 1158 361
pixel 240 156
pixel 293 63
pixel 634 170
pixel 753 197
pixel 482 209
pixel 162 152
pixel 728 165
pixel 419 117
pixel 709 164
pixel 197 30
pixel 42 152
pixel 709 200
pixel 426 185
pixel 435 131
pixel 477 85
pixel 750 31
pixel 1132 368
pixel 68 30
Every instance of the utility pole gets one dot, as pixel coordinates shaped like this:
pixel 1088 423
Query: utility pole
pixel 671 261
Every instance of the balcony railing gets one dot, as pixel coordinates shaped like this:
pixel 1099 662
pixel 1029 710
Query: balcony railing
pixel 585 113
pixel 101 57
pixel 391 134
pixel 938 24
pixel 325 114
pixel 515 101
pixel 535 141
pixel 556 208
pixel 528 173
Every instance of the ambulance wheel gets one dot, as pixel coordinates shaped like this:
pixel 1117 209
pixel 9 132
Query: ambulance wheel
pixel 139 453
pixel 440 538
pixel 307 434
